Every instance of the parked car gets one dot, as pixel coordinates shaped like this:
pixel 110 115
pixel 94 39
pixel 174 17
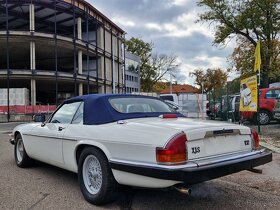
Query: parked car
pixel 234 107
pixel 267 103
pixel 276 111
pixel 190 104
pixel 223 108
pixel 112 140
pixel 212 109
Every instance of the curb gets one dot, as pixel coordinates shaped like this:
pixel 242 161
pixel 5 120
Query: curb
pixel 270 146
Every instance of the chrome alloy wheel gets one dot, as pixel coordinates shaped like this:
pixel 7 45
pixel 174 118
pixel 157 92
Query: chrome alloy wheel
pixel 92 174
pixel 264 118
pixel 19 150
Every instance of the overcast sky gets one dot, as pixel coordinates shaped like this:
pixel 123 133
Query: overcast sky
pixel 169 24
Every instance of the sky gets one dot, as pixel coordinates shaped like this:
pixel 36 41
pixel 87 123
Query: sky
pixel 170 25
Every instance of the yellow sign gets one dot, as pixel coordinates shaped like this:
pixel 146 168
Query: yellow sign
pixel 258 59
pixel 249 94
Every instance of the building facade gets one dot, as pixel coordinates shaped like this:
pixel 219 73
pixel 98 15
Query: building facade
pixel 132 73
pixel 58 49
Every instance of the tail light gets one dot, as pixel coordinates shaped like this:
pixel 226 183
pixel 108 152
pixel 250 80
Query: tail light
pixel 255 138
pixel 174 152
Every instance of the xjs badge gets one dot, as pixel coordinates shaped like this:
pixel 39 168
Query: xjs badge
pixel 195 150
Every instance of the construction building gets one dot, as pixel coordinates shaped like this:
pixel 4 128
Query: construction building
pixel 58 49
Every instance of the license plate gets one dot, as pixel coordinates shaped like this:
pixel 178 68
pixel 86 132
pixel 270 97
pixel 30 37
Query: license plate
pixel 277 114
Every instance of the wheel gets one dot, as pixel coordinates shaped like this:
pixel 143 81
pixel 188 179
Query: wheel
pixel 96 179
pixel 265 117
pixel 21 157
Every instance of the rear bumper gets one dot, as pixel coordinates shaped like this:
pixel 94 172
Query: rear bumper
pixel 192 175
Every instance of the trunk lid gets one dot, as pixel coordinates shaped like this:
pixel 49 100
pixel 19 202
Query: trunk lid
pixel 205 139
pixel 211 142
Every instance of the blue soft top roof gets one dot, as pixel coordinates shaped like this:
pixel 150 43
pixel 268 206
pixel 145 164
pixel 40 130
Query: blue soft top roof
pixel 98 110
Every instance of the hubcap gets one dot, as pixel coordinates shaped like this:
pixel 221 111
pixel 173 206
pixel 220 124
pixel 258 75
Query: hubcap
pixel 264 118
pixel 92 174
pixel 19 150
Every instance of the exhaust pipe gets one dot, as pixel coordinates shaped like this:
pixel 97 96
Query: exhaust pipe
pixel 184 190
pixel 255 170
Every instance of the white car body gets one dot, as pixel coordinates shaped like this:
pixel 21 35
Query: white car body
pixel 130 147
pixel 129 142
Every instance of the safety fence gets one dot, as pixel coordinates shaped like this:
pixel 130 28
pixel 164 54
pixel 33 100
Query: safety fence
pixel 19 113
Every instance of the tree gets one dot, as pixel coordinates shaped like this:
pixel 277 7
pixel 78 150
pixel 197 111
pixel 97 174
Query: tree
pixel 138 47
pixel 251 19
pixel 153 67
pixel 209 79
pixel 242 59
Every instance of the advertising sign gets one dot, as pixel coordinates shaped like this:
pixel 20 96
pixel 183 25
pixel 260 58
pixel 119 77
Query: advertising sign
pixel 249 94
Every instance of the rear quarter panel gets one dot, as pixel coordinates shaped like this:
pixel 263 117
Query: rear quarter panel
pixel 127 142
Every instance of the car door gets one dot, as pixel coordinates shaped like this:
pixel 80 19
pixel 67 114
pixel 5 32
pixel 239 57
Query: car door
pixel 47 139
pixel 72 134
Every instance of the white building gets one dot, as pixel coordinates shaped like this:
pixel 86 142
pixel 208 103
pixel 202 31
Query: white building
pixel 132 73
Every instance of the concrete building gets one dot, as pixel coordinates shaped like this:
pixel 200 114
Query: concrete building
pixel 58 49
pixel 132 73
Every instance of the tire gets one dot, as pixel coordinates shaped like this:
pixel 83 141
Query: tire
pixel 97 184
pixel 21 157
pixel 265 117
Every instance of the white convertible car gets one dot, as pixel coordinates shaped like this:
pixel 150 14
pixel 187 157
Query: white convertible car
pixel 112 140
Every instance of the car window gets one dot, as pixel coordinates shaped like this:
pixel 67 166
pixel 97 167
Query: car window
pixel 138 104
pixel 79 116
pixel 272 94
pixel 65 113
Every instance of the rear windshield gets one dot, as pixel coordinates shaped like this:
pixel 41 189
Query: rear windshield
pixel 138 105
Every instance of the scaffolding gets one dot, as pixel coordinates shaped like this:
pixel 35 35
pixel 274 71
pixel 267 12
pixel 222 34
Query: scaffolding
pixel 54 29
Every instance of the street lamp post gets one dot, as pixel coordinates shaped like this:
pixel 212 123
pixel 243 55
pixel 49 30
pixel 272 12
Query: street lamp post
pixel 170 81
pixel 202 92
pixel 170 73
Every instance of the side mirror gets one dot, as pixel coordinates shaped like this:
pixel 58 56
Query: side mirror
pixel 39 118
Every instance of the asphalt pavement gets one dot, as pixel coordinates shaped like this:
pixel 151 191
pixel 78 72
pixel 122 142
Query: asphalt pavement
pixel 47 187
pixel 8 127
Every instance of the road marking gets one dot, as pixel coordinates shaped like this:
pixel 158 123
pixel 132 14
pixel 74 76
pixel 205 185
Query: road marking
pixel 44 196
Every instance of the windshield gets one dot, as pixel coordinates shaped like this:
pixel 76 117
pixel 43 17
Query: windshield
pixel 138 105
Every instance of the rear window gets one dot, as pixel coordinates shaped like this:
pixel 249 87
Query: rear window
pixel 138 105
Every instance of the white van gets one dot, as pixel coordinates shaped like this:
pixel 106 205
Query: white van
pixel 190 104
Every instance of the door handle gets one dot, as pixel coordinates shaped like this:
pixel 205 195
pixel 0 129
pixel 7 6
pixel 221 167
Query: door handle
pixel 60 128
